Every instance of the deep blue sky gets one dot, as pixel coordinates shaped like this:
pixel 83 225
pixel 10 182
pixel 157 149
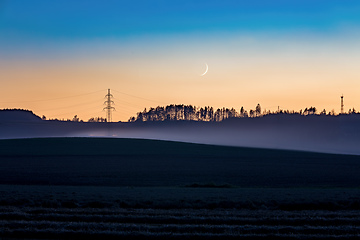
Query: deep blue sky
pixel 102 19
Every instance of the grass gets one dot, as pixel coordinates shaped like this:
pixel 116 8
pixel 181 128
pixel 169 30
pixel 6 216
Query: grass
pixel 74 197
pixel 123 146
pixel 70 188
pixel 209 185
pixel 150 163
pixel 63 223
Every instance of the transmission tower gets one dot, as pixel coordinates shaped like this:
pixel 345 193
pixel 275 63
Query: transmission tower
pixel 109 106
pixel 342 104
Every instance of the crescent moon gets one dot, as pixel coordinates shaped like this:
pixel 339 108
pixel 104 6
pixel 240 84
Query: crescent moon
pixel 207 68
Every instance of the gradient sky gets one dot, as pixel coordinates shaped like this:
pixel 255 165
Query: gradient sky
pixel 58 57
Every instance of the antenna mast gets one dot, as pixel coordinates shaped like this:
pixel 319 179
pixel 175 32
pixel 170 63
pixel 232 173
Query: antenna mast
pixel 342 104
pixel 108 104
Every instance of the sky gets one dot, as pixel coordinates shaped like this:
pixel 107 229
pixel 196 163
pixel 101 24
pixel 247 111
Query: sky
pixel 59 57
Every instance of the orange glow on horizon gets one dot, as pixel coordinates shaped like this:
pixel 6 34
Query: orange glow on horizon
pixel 293 77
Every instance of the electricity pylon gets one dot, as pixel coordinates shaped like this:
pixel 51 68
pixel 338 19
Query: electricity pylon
pixel 109 106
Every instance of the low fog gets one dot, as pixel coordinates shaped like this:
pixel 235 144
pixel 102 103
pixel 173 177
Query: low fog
pixel 330 134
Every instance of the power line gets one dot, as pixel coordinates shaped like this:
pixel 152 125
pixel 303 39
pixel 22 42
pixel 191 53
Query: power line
pixel 109 108
pixel 53 99
pixel 139 97
pixel 128 103
pixel 67 107
pixel 127 107
pixel 77 111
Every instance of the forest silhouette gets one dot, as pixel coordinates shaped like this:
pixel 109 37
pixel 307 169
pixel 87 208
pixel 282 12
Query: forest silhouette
pixel 181 112
pixel 178 112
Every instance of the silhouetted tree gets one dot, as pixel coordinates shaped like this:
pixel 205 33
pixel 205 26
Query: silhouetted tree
pixel 232 113
pixel 258 110
pixel 140 116
pixel 352 111
pixel 246 114
pixel 97 119
pixel 310 111
pixel 242 111
pixel 75 119
pixel 218 115
pixel 211 114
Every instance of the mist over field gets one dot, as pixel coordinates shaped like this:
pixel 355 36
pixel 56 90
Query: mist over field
pixel 63 188
pixel 70 179
pixel 328 134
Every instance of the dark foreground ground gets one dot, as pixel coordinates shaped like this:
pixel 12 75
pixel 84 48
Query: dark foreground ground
pixel 71 188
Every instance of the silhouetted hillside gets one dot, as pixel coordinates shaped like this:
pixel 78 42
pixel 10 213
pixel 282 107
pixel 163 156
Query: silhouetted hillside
pixel 139 162
pixel 318 133
pixel 18 115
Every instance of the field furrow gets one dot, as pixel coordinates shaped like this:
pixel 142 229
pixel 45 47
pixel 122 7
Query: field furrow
pixel 176 224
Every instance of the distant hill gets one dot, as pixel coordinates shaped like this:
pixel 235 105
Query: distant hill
pixel 18 115
pixel 318 133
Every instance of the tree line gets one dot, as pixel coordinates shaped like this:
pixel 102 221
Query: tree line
pixel 176 112
pixel 181 112
pixel 77 119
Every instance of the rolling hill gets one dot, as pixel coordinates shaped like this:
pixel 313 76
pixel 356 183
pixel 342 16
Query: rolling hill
pixel 137 162
pixel 317 133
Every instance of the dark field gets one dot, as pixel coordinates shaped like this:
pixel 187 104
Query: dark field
pixel 142 189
